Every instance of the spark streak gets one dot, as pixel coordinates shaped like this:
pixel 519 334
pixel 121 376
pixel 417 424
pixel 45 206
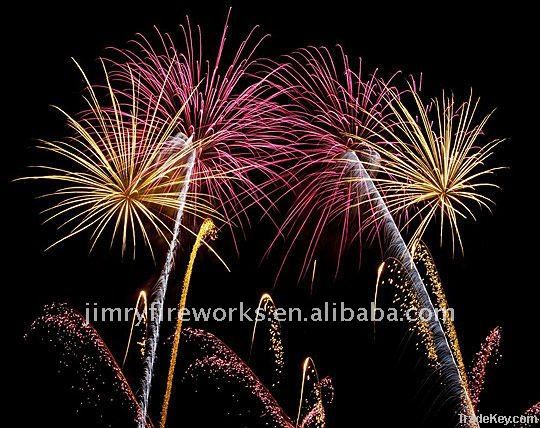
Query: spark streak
pixel 140 300
pixel 488 354
pixel 423 258
pixel 207 228
pixel 161 289
pixel 267 305
pixel 312 398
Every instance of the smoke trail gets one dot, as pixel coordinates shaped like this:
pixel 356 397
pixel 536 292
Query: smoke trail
pixel 161 286
pixel 396 248
pixel 207 228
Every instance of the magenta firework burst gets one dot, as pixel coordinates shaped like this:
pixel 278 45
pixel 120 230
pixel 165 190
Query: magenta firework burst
pixel 232 120
pixel 329 100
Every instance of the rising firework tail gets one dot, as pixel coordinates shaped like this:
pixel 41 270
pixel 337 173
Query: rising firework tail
pixel 207 229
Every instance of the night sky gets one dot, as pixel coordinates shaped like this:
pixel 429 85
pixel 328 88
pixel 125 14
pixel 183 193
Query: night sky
pixel 378 380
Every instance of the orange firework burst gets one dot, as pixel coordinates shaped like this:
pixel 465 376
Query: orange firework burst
pixel 434 163
pixel 114 178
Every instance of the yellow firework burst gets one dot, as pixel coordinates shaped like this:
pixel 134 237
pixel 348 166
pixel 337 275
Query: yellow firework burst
pixel 434 163
pixel 117 175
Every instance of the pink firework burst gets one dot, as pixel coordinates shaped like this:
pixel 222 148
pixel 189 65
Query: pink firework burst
pixel 230 118
pixel 328 102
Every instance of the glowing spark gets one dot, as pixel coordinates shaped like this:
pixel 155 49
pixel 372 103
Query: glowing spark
pixel 312 399
pixel 144 318
pixel 377 282
pixel 433 164
pixel 267 305
pixel 313 276
pixel 379 273
pixel 489 353
pixel 207 228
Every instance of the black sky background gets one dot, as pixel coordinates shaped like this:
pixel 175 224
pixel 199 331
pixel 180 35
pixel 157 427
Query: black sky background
pixel 495 283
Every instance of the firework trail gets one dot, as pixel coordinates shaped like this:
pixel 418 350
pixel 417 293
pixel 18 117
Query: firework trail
pixel 141 300
pixel 394 274
pixel 310 406
pixel 207 228
pixel 488 354
pixel 214 358
pixel 234 124
pixel 160 291
pixel 426 265
pixel 275 346
pixel 395 248
pixel 81 349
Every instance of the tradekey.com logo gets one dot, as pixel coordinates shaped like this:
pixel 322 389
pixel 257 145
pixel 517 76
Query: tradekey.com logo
pixel 495 419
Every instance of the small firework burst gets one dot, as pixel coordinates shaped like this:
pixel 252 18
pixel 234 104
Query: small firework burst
pixel 433 162
pixel 111 174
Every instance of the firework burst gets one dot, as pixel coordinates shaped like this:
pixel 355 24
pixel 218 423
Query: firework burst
pixel 232 118
pixel 328 101
pixel 433 162
pixel 111 174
